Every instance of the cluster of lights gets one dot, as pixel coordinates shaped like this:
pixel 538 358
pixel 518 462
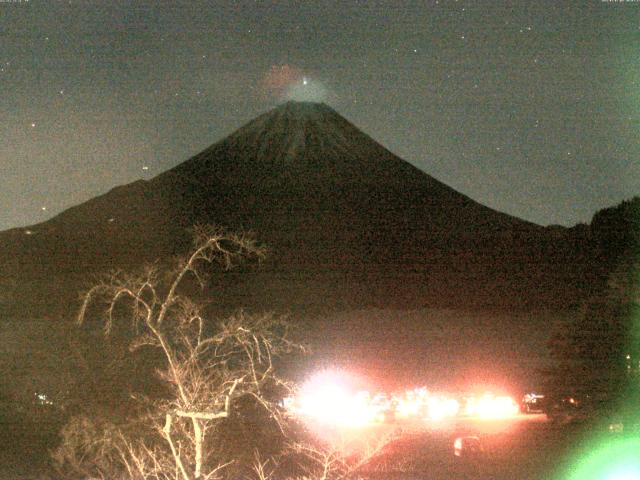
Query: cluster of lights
pixel 327 399
pixel 489 406
pixel 420 403
pixel 42 399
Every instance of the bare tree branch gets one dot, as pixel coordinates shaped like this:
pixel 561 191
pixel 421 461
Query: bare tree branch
pixel 205 373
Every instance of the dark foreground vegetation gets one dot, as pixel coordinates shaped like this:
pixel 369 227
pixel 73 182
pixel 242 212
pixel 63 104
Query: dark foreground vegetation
pixel 163 392
pixel 162 389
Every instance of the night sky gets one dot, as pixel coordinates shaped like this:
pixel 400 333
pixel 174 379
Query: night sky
pixel 531 108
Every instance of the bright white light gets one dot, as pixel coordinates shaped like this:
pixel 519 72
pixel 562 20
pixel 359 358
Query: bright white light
pixel 42 399
pixel 327 398
pixel 307 91
pixel 439 408
pixel 411 403
pixel 420 403
pixel 489 407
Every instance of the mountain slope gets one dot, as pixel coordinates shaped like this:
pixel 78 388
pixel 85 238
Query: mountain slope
pixel 347 222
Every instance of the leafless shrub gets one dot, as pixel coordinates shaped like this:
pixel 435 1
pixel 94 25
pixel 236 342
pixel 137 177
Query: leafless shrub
pixel 207 372
pixel 83 439
pixel 310 458
pixel 216 378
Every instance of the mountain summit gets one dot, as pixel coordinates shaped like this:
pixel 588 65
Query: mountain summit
pixel 304 153
pixel 346 221
pixel 298 143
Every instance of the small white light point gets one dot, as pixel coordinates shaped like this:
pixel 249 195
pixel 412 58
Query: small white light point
pixel 306 90
pixel 145 168
pixel 44 209
pixel 33 125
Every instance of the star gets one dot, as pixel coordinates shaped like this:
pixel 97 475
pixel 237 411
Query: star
pixel 236 92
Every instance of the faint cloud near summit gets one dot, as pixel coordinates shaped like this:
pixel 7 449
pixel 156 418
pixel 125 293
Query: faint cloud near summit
pixel 287 82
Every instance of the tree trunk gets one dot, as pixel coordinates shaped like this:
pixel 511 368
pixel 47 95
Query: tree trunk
pixel 198 434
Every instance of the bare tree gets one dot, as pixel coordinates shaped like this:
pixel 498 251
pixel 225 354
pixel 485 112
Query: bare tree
pixel 206 371
pixel 315 459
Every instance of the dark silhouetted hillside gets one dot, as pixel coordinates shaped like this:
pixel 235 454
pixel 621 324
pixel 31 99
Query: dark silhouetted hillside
pixel 347 222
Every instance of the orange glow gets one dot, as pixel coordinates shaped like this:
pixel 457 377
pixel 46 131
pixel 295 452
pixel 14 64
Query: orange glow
pixel 329 398
pixel 439 408
pixel 489 406
pixel 410 404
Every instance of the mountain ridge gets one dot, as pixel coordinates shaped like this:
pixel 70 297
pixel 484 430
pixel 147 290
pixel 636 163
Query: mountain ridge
pixel 326 198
